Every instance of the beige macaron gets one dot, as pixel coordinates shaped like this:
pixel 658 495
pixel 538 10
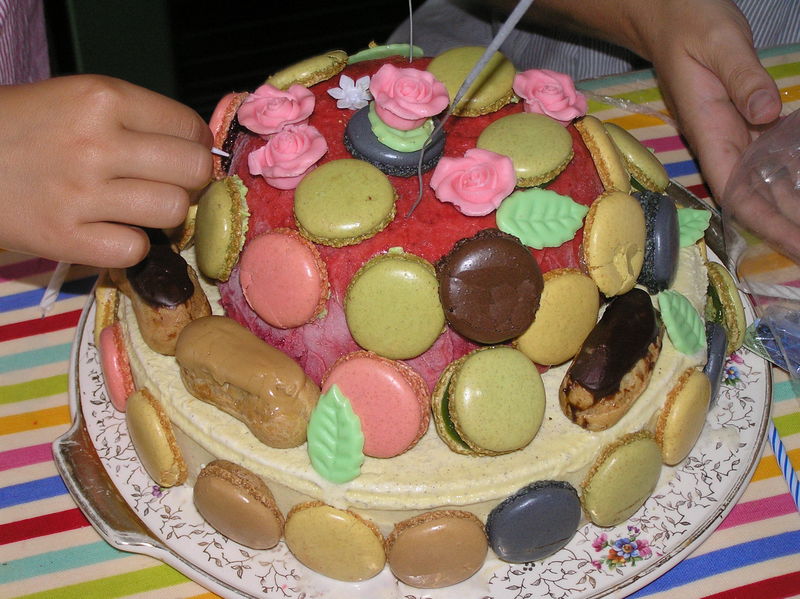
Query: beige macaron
pixel 106 300
pixel 607 158
pixel 614 239
pixel 310 71
pixel 567 313
pixel 681 420
pixel 154 440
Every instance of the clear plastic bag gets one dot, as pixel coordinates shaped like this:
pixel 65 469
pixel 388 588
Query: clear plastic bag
pixel 764 191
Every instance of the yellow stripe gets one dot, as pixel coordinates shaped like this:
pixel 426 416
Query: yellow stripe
pixel 204 596
pixel 636 121
pixel 768 466
pixel 34 420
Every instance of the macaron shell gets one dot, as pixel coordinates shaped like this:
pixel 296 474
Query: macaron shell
pixel 238 504
pixel 640 162
pixel 683 416
pixel 621 479
pixel 333 542
pixel 662 247
pixel 220 227
pixel 437 549
pixel 497 400
pixel 567 313
pixel 717 341
pixel 106 300
pixel 343 202
pixel 390 399
pixel 614 241
pixel 152 437
pixel 723 289
pixel 539 147
pixel 392 306
pixel 116 366
pixel 440 408
pixel 220 124
pixel 492 88
pixel 310 71
pixel 607 158
pixel 535 522
pixel 283 278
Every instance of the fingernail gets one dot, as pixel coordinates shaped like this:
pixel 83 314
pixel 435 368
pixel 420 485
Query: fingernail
pixel 761 107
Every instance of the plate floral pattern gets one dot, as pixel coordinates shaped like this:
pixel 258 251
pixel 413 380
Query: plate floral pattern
pixel 689 500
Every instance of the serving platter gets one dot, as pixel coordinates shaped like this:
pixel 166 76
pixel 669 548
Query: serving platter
pixel 101 470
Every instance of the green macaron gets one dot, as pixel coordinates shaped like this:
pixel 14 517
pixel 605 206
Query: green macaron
pixel 489 402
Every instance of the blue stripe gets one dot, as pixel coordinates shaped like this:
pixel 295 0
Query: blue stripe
pixel 34 490
pixel 679 169
pixel 724 560
pixel 57 561
pixel 35 357
pixel 26 299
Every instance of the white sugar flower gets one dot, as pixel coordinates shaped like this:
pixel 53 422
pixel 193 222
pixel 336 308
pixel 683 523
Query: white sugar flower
pixel 350 94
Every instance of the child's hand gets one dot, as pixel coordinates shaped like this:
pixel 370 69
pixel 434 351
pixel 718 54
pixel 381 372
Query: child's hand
pixel 86 160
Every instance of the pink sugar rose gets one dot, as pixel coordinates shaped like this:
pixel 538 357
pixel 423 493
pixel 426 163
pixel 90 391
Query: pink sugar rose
pixel 550 93
pixel 476 183
pixel 404 98
pixel 288 156
pixel 268 110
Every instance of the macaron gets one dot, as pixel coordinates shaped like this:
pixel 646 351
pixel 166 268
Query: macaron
pixel 621 479
pixel 334 542
pixel 717 343
pixel 116 366
pixel 534 522
pixel 222 125
pixel 539 146
pixel 683 415
pixel 310 71
pixel 154 440
pixel 436 549
pixel 392 305
pixel 724 305
pixel 663 241
pixel 489 402
pixel 614 238
pixel 284 279
pixel 489 285
pixel 492 88
pixel 377 51
pixel 238 504
pixel 343 202
pixel 639 161
pixel 106 302
pixel 390 150
pixel 220 227
pixel 389 397
pixel 606 156
pixel 567 314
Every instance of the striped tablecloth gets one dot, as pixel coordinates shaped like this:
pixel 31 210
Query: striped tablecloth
pixel 49 550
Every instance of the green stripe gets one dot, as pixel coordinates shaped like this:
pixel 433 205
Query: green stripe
pixel 781 71
pixel 140 581
pixel 786 390
pixel 32 389
pixel 35 357
pixel 779 50
pixel 56 561
pixel 787 425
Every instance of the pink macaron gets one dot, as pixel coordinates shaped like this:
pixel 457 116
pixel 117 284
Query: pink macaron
pixel 284 279
pixel 390 398
pixel 115 365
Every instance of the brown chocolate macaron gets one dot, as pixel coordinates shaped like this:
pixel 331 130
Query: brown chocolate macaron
pixel 490 286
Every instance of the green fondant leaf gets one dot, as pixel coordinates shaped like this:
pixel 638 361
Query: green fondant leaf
pixel 685 327
pixel 540 218
pixel 335 440
pixel 692 224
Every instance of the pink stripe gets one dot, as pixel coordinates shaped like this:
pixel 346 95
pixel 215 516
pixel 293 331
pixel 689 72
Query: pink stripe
pixel 664 144
pixel 25 456
pixel 760 509
pixel 26 268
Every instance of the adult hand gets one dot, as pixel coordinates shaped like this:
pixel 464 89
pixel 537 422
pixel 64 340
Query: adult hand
pixel 87 160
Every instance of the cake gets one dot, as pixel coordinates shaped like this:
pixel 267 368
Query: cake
pixel 511 476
